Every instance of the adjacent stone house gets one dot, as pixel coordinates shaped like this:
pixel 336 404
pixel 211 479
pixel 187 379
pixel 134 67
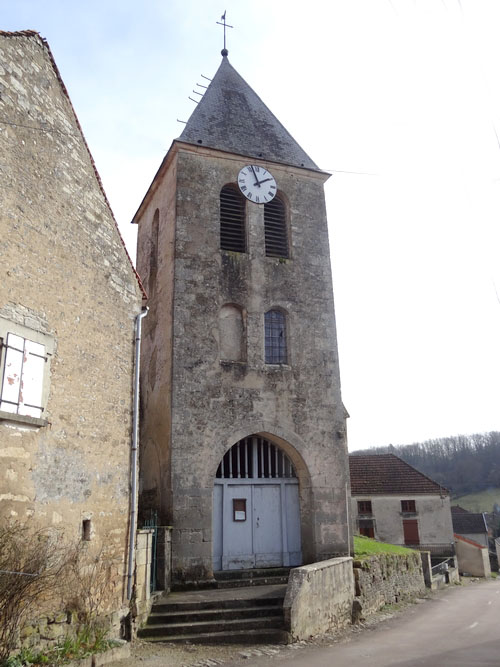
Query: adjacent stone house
pixel 243 441
pixel 393 502
pixel 69 298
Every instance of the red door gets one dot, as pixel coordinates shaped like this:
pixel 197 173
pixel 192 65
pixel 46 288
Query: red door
pixel 366 527
pixel 410 531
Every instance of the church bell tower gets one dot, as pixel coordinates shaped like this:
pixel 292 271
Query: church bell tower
pixel 243 442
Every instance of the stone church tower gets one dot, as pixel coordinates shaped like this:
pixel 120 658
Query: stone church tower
pixel 243 444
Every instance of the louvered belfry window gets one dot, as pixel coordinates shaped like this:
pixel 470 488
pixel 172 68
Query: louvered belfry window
pixel 232 220
pixel 275 230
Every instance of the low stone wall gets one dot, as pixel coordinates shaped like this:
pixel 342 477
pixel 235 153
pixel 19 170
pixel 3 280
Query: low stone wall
pixel 319 598
pixel 144 555
pixel 386 579
pixel 47 630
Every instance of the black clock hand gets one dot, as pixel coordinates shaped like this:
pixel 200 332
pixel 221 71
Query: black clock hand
pixel 264 181
pixel 257 180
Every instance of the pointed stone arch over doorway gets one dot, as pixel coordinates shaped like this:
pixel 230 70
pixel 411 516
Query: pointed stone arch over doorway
pixel 256 508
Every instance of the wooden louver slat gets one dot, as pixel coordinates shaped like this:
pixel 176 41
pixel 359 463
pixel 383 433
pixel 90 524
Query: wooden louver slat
pixel 275 230
pixel 232 220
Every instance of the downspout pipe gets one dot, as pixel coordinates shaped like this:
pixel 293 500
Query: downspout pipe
pixel 135 446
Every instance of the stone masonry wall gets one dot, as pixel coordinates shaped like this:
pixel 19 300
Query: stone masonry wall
pixel 64 274
pixel 319 598
pixel 386 579
pixel 197 407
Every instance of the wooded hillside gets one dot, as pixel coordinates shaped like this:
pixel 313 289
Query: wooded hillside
pixel 463 464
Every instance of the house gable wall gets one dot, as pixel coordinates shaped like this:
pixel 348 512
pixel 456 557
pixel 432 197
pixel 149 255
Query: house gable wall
pixel 65 273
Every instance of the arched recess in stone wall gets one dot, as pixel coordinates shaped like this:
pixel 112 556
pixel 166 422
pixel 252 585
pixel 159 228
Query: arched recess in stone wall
pixel 232 333
pixel 257 506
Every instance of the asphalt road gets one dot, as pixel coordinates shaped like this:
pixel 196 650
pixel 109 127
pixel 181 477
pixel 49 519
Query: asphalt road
pixel 459 628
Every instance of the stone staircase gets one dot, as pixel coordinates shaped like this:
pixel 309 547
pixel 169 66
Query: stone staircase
pixel 245 608
pixel 262 577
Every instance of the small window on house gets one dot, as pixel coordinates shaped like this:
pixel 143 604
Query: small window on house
pixel 232 333
pixel 408 506
pixel 275 229
pixel 86 530
pixel 364 506
pixel 275 337
pixel 24 369
pixel 232 220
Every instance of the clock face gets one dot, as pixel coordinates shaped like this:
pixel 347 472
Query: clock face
pixel 257 184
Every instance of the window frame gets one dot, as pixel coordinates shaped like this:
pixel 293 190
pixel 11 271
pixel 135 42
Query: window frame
pixel 366 511
pixel 286 360
pixel 408 507
pixel 40 338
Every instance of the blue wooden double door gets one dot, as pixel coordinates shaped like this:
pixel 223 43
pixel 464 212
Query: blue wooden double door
pixel 256 508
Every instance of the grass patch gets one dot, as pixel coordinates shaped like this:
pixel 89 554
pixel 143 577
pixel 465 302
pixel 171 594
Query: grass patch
pixel 365 546
pixel 482 501
pixel 71 648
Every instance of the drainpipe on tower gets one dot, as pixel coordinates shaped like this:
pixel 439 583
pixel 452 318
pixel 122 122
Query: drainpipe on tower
pixel 135 439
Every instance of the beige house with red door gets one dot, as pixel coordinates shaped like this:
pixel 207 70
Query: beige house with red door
pixel 393 502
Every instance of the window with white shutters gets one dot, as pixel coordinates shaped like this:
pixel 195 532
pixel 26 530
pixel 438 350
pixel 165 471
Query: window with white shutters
pixel 24 357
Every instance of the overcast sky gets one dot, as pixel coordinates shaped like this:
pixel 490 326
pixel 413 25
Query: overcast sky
pixel 400 101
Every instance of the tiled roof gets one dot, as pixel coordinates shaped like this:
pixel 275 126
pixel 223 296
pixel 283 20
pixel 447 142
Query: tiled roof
pixel 387 474
pixel 231 117
pixel 456 509
pixel 468 523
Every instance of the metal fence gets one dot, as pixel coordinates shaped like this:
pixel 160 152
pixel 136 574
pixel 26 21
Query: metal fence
pixel 439 550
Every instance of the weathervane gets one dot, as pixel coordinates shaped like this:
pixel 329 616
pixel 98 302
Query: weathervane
pixel 224 51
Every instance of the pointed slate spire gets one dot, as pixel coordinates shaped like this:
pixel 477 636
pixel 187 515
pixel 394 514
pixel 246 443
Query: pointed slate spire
pixel 231 117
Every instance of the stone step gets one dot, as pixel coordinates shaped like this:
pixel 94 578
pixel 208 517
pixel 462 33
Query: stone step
pixel 221 626
pixel 157 617
pixel 230 615
pixel 166 605
pixel 263 572
pixel 258 581
pixel 260 636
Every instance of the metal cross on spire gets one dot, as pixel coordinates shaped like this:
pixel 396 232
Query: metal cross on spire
pixel 224 51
